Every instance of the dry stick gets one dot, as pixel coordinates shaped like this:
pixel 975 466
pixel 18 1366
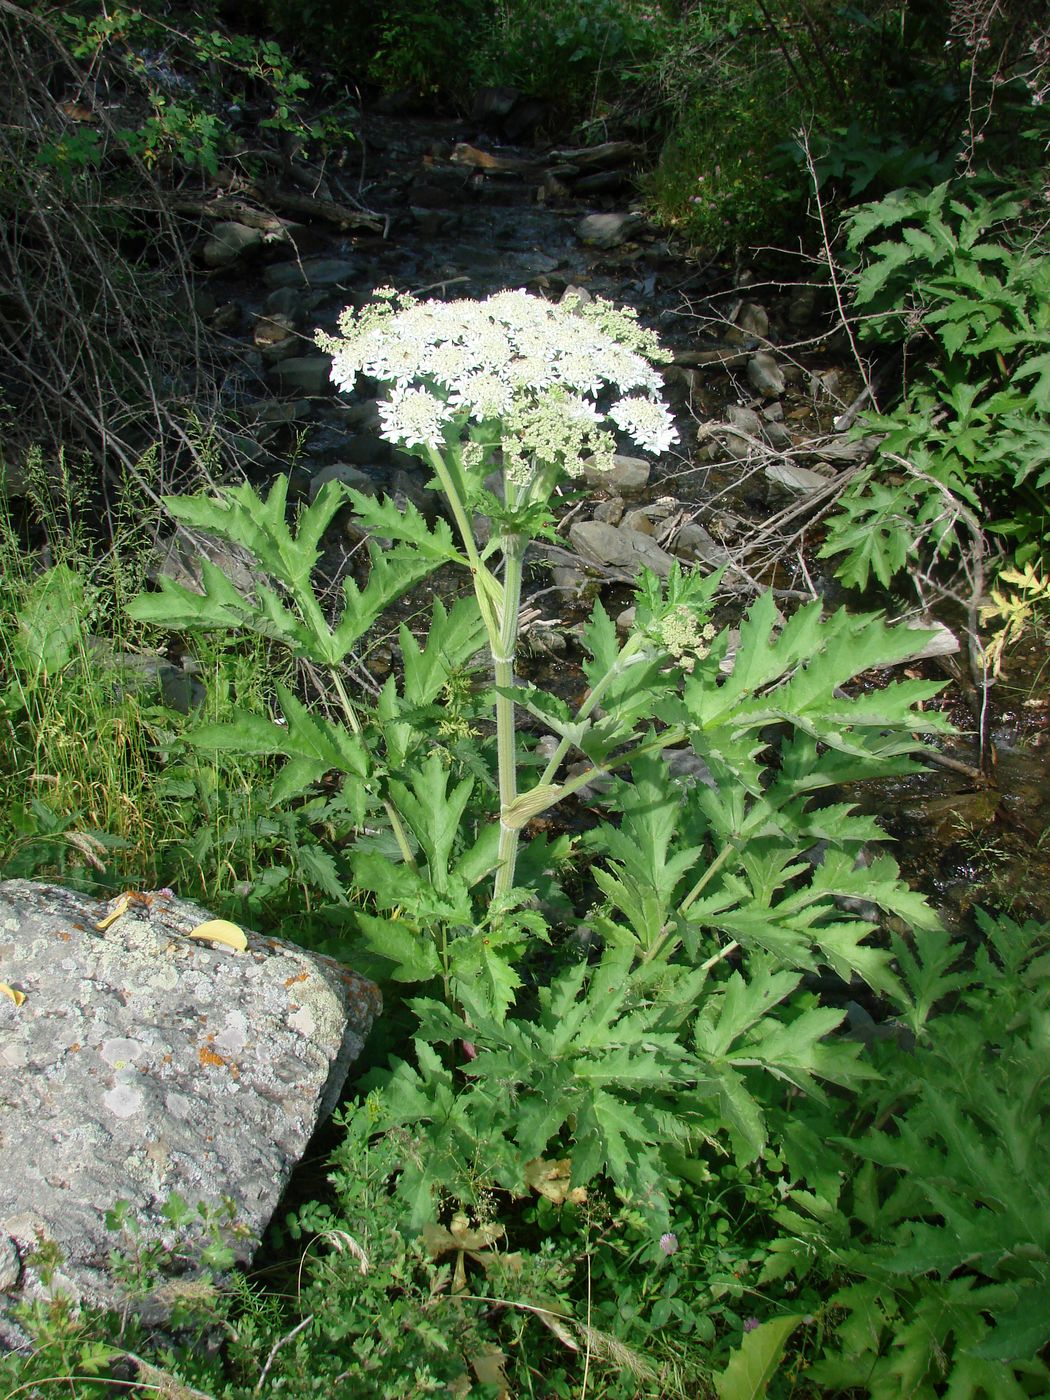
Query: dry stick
pixel 956 765
pixel 278 1344
pixel 803 137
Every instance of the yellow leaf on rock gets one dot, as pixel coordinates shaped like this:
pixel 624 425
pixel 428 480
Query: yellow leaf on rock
pixel 16 996
pixel 118 910
pixel 221 931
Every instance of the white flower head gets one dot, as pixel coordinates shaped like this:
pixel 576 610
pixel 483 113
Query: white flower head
pixel 450 363
pixel 685 636
pixel 647 421
pixel 556 428
pixel 485 396
pixel 414 418
pixel 544 371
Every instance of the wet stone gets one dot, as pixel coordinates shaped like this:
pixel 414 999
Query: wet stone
pixel 366 449
pixel 609 512
pixel 607 230
pixel 765 374
pixel 304 374
pixel 753 319
pixel 795 479
pixel 627 475
pixel 694 543
pixel 312 272
pixel 612 546
pixel 345 473
pixel 285 301
pixel 229 242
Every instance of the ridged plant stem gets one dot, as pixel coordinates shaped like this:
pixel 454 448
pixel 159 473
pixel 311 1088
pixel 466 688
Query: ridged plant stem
pixel 506 738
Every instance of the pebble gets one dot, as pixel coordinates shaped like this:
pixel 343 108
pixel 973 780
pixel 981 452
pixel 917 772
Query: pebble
pixel 765 375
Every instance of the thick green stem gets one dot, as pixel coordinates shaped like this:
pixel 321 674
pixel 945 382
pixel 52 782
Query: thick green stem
pixel 486 588
pixel 499 608
pixel 665 740
pixel 348 705
pixel 720 956
pixel 506 739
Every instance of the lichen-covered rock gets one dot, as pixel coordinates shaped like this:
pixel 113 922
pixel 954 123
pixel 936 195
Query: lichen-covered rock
pixel 137 1062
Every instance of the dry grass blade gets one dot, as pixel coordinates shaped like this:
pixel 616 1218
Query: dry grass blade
pixel 609 1349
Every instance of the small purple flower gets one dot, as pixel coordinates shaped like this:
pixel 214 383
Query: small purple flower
pixel 669 1243
pixel 750 1323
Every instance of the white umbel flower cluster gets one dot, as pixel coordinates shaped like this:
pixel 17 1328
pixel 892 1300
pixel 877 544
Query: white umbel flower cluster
pixel 556 379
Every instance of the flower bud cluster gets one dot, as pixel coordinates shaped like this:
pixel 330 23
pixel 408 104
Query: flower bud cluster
pixel 685 637
pixel 557 379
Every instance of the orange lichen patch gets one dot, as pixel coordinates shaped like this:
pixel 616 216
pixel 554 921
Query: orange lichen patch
pixel 65 937
pixel 300 977
pixel 208 1056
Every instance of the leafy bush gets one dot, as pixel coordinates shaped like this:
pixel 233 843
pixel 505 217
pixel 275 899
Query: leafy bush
pixel 75 726
pixel 96 783
pixel 958 282
pixel 587 61
pixel 741 77
pixel 167 114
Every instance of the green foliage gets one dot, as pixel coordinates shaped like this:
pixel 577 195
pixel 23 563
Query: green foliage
pixel 937 1227
pixel 585 60
pixel 76 724
pixel 726 175
pixel 178 120
pixel 958 282
pixel 582 61
pixel 754 1365
pixel 89 1351
pixel 419 46
pixel 96 770
pixel 861 161
pixel 660 1044
pixel 740 78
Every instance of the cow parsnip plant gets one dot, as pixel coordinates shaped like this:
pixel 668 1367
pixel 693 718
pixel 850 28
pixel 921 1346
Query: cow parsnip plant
pixel 712 897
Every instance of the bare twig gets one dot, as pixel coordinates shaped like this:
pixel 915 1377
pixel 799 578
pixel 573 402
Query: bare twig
pixel 278 1344
pixel 803 137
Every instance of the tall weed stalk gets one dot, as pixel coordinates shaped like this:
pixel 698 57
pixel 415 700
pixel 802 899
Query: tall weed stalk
pixel 709 903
